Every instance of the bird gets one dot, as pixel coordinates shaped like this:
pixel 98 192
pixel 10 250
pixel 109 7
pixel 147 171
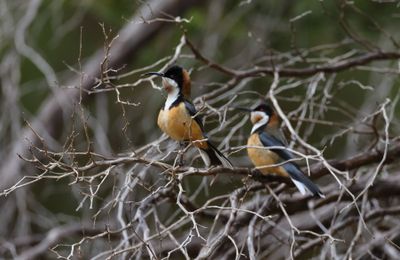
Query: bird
pixel 179 119
pixel 262 150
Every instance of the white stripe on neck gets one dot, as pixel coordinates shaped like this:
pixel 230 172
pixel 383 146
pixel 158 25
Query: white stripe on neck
pixel 173 94
pixel 264 120
pixel 172 97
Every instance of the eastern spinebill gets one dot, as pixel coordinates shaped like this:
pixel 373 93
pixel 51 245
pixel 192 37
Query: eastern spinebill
pixel 179 118
pixel 264 152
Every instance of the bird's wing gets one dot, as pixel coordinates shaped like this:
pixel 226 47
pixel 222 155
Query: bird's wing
pixel 269 140
pixel 301 181
pixel 277 133
pixel 193 113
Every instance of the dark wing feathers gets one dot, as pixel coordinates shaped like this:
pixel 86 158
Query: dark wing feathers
pixel 296 174
pixel 215 156
pixel 269 140
pixel 291 167
pixel 193 112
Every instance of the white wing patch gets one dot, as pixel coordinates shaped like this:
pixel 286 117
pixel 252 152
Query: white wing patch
pixel 302 188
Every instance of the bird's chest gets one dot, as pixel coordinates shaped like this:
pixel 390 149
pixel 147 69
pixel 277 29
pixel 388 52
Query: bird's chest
pixel 259 155
pixel 175 122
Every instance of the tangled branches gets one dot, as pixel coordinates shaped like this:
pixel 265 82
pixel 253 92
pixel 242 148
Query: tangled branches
pixel 125 195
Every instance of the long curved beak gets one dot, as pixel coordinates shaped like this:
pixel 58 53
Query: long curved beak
pixel 154 73
pixel 245 109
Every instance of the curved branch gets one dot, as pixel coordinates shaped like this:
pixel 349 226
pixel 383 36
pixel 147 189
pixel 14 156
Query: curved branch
pixel 54 236
pixel 317 170
pixel 297 72
pixel 362 159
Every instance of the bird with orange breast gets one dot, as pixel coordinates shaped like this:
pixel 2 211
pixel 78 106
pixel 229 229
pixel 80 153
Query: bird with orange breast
pixel 266 149
pixel 179 118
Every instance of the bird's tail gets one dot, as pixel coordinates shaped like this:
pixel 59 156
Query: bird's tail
pixel 301 181
pixel 212 156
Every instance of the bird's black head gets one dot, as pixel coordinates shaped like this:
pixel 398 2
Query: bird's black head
pixel 266 108
pixel 261 116
pixel 264 115
pixel 176 73
pixel 174 78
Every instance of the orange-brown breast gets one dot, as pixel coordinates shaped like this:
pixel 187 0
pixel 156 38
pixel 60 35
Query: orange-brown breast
pixel 262 157
pixel 179 125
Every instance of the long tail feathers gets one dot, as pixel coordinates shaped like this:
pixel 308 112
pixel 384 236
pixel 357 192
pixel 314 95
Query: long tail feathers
pixel 302 182
pixel 212 156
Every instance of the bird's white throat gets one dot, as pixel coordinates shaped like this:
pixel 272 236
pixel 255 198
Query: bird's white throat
pixel 264 120
pixel 173 92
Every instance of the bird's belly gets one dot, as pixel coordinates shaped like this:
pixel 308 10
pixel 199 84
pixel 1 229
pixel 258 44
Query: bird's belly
pixel 180 126
pixel 262 158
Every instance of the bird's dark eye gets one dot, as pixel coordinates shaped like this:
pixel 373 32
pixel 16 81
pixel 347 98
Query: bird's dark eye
pixel 260 108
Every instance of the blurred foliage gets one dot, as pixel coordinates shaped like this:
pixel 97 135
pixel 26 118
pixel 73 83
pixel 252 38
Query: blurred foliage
pixel 318 27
